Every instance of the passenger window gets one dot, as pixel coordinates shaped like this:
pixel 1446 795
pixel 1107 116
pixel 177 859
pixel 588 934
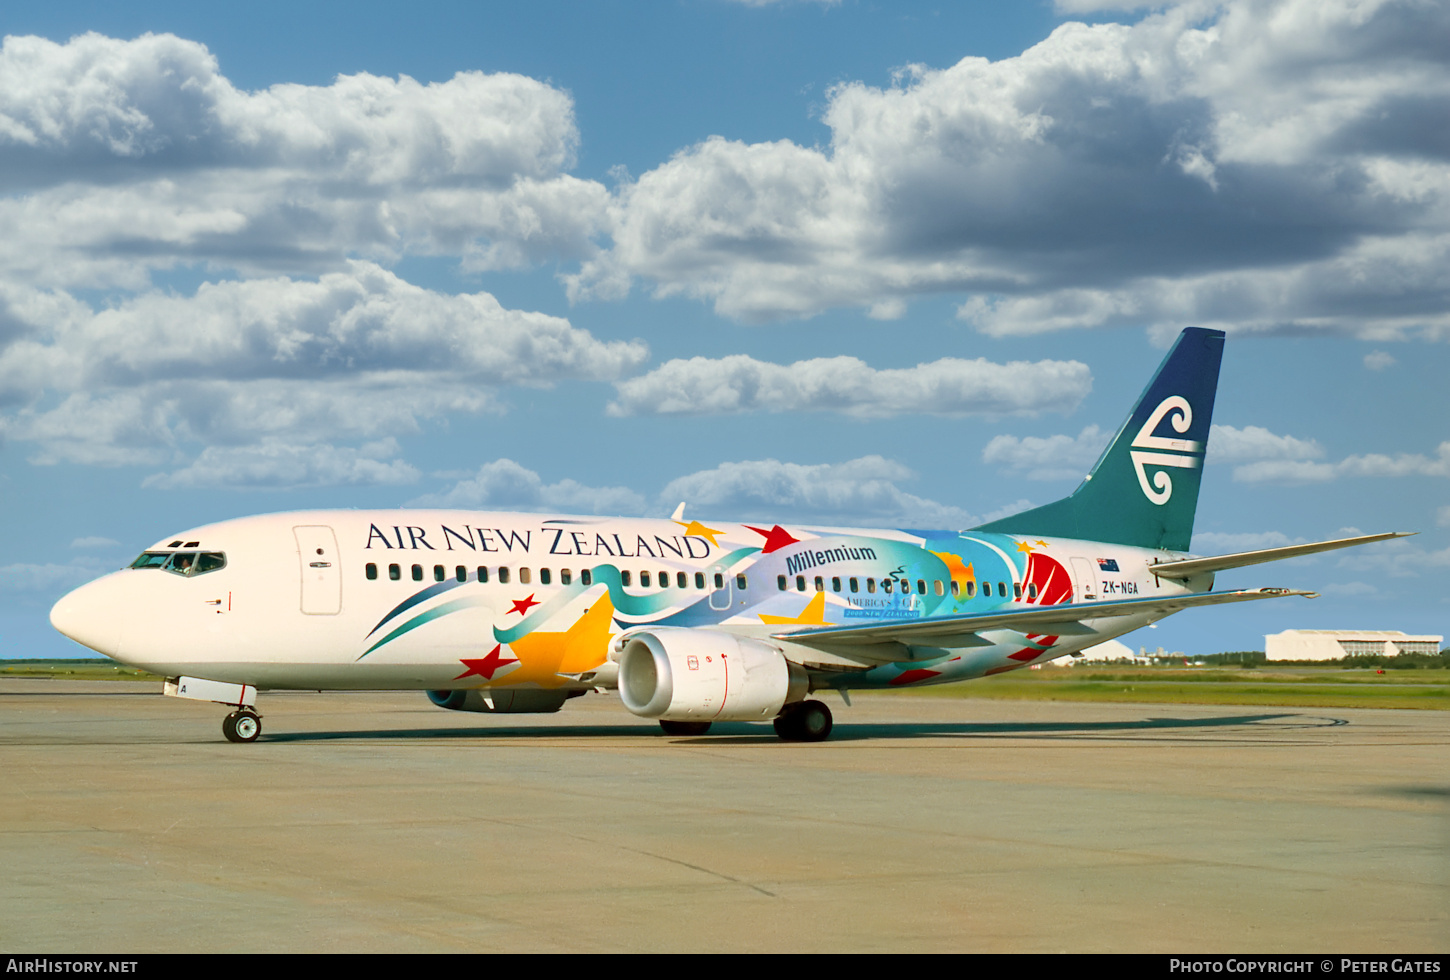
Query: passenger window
pixel 971 589
pixel 986 588
pixel 586 577
pixel 937 587
pixel 699 580
pixel 461 573
pixel 525 576
pixel 921 586
pixel 819 584
pixel 780 581
pixel 1032 591
pixel 644 580
pixel 835 584
pixel 394 572
pixel 482 573
pixel 681 580
pixel 854 584
pixel 438 573
pixel 544 577
pixel 1016 590
pixel 503 575
pixel 624 578
pixel 664 580
pixel 740 581
pixel 886 584
pixel 719 581
pixel 372 571
pixel 956 589
pixel 1002 589
pixel 800 583
pixel 871 585
pixel 565 576
pixel 417 573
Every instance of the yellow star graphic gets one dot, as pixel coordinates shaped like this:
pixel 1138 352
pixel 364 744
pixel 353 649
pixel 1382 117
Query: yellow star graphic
pixel 1024 546
pixel 1042 544
pixel 545 657
pixel 697 529
pixel 814 614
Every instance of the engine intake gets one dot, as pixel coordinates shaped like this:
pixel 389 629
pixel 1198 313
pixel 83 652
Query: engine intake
pixel 678 674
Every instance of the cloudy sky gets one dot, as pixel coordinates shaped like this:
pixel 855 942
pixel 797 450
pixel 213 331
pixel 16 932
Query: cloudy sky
pixel 899 264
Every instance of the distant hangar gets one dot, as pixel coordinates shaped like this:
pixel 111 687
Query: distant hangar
pixel 1334 644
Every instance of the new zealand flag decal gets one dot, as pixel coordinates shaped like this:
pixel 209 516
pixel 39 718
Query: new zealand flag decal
pixel 1108 564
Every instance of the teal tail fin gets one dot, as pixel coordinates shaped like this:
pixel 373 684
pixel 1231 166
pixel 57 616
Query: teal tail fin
pixel 1143 490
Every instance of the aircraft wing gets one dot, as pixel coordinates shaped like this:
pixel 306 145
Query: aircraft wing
pixel 1190 567
pixel 963 631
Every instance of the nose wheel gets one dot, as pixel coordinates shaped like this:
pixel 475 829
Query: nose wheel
pixel 805 721
pixel 242 726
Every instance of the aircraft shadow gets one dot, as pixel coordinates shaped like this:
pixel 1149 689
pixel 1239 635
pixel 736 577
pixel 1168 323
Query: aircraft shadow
pixel 737 733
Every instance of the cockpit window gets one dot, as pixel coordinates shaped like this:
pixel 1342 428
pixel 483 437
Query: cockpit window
pixel 188 563
pixel 151 559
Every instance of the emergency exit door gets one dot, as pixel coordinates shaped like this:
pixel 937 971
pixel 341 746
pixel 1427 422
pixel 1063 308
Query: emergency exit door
pixel 321 571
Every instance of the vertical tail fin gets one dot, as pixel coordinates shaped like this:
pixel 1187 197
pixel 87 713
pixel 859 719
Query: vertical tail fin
pixel 1143 491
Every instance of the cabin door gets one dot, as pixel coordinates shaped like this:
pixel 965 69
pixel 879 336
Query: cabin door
pixel 321 571
pixel 719 596
pixel 1086 579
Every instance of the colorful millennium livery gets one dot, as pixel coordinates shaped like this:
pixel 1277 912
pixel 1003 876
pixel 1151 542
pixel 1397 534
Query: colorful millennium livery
pixel 690 621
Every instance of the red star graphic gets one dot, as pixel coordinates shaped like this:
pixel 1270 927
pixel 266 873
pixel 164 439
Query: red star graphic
pixel 775 539
pixel 522 606
pixel 486 667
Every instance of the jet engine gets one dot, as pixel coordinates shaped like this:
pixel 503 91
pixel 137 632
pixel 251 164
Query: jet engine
pixel 678 674
pixel 504 702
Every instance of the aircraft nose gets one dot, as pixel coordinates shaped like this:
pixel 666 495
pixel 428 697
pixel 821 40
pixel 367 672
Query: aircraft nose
pixel 87 617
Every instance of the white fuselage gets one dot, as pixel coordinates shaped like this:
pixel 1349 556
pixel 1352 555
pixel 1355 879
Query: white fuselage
pixel 464 599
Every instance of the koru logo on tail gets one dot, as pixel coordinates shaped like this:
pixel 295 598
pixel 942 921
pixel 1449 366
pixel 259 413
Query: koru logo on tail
pixel 1166 451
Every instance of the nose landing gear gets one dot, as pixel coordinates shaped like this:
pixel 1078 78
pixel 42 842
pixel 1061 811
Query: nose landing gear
pixel 242 726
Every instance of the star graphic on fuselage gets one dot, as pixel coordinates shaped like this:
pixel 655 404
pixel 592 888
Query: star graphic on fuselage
pixel 486 667
pixel 696 529
pixel 522 606
pixel 1024 546
pixel 814 614
pixel 775 539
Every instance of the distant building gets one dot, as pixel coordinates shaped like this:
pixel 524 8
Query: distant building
pixel 1334 644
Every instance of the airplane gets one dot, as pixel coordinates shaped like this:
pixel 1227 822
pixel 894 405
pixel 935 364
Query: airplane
pixel 689 622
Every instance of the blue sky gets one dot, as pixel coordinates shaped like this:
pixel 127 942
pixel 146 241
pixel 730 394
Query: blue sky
pixel 850 263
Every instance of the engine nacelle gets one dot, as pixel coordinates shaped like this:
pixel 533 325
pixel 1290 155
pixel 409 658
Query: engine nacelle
pixel 678 674
pixel 503 702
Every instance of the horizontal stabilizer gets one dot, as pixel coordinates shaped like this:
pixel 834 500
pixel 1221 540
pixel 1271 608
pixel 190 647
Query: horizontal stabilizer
pixel 1063 620
pixel 1199 566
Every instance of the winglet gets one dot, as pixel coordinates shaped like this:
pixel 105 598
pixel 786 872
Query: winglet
pixel 679 514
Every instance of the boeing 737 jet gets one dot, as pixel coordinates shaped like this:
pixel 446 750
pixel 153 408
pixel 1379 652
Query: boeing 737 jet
pixel 690 621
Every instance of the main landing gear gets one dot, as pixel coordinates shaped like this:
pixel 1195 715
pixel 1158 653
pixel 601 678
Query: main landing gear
pixel 804 721
pixel 242 726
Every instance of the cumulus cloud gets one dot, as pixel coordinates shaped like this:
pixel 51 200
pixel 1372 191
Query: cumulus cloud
pixel 140 154
pixel 1249 163
pixel 275 465
pixel 123 159
pixel 861 491
pixel 1227 444
pixel 1378 360
pixel 1048 458
pixel 504 484
pixel 1367 465
pixel 706 386
pixel 355 354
